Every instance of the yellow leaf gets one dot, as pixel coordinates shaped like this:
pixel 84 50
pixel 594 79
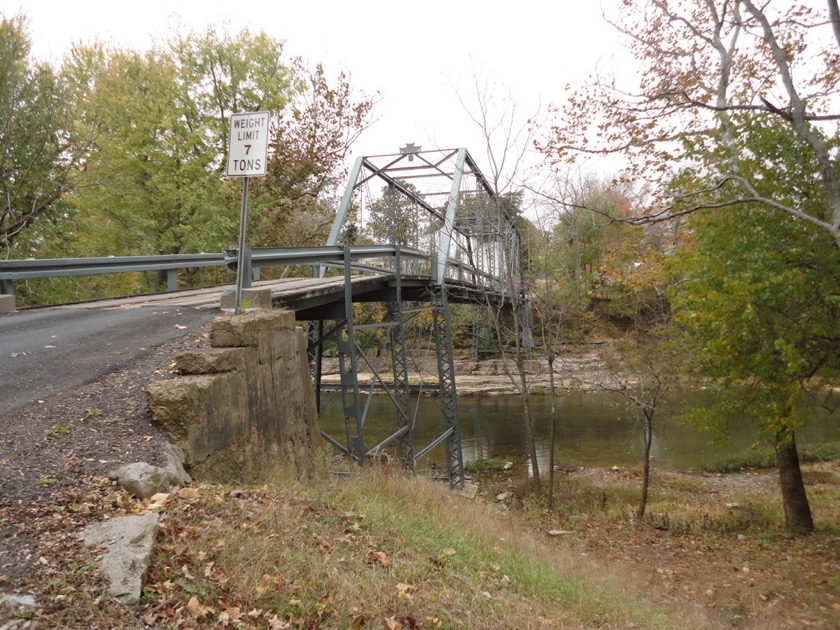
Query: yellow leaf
pixel 196 609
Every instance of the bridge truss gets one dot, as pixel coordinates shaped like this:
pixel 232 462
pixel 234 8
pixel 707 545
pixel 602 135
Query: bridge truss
pixel 439 204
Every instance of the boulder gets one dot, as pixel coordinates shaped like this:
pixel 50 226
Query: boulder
pixel 127 543
pixel 142 479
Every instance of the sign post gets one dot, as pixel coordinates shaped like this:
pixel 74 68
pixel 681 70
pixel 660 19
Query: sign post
pixel 247 157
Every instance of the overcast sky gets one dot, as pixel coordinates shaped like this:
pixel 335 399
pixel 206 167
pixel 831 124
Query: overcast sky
pixel 418 56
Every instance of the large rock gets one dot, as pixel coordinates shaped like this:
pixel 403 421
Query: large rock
pixel 144 480
pixel 127 543
pixel 141 479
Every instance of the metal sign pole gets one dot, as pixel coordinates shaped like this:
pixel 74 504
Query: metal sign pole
pixel 240 260
pixel 247 157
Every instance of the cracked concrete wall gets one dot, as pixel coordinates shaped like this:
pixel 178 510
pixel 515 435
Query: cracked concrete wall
pixel 243 409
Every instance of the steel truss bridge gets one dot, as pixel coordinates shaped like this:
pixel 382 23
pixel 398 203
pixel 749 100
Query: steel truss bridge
pixel 414 233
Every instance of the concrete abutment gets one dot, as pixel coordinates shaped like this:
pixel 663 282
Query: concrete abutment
pixel 243 410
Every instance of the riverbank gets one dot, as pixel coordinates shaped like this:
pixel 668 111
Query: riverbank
pixel 581 368
pixel 715 541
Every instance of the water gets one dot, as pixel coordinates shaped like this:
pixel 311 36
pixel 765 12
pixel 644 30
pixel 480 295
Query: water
pixel 592 430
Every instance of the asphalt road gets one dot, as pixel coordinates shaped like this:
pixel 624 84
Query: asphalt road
pixel 52 350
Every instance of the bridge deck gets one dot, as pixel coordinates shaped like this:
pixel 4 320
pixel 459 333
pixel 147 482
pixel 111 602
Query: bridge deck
pixel 310 298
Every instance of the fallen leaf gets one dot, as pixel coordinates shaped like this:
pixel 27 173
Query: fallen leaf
pixel 231 614
pixel 404 591
pixel 326 546
pixel 275 623
pixel 159 499
pixel 196 609
pixel 185 585
pixel 379 558
pixel 188 493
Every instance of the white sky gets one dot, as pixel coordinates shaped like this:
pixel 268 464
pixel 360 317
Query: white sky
pixel 418 55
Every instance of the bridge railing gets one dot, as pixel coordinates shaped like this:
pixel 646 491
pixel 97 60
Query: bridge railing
pixel 371 258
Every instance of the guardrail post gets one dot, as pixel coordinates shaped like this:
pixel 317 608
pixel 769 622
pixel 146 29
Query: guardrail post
pixel 7 287
pixel 171 279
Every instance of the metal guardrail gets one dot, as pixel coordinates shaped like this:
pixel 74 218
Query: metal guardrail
pixel 257 258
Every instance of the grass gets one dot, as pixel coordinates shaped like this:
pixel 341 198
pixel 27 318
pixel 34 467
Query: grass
pixel 764 457
pixel 373 551
pixel 485 465
pixel 377 550
pixel 381 550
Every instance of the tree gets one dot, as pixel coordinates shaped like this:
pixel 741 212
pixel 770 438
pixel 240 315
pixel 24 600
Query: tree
pixel 507 140
pixel 760 303
pixel 311 142
pixel 644 376
pixel 155 183
pixel 396 219
pixel 596 277
pixel 37 158
pixel 701 64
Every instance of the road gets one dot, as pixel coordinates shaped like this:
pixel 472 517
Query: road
pixel 51 350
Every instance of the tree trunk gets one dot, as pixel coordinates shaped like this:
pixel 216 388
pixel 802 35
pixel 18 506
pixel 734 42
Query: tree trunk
pixel 529 424
pixel 798 518
pixel 648 438
pixel 552 438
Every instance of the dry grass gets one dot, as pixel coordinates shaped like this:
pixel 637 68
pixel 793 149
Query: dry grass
pixel 713 541
pixel 379 550
pixel 376 551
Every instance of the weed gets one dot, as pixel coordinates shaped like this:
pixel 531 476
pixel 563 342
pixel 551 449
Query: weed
pixel 58 429
pixel 92 413
pixel 48 480
pixel 371 547
pixel 24 613
pixel 486 465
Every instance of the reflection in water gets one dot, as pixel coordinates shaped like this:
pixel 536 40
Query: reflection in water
pixel 592 430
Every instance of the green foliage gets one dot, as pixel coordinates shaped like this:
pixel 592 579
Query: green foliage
pixel 598 276
pixel 760 307
pixel 311 141
pixel 57 430
pixel 395 218
pixel 762 456
pixel 154 185
pixel 36 155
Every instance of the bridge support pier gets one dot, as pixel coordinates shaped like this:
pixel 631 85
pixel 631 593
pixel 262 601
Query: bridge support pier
pixel 366 437
pixel 448 396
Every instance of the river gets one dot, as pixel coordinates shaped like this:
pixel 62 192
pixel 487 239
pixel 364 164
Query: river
pixel 593 429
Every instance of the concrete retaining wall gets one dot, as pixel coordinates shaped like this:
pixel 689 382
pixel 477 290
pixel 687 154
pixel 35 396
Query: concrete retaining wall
pixel 243 409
